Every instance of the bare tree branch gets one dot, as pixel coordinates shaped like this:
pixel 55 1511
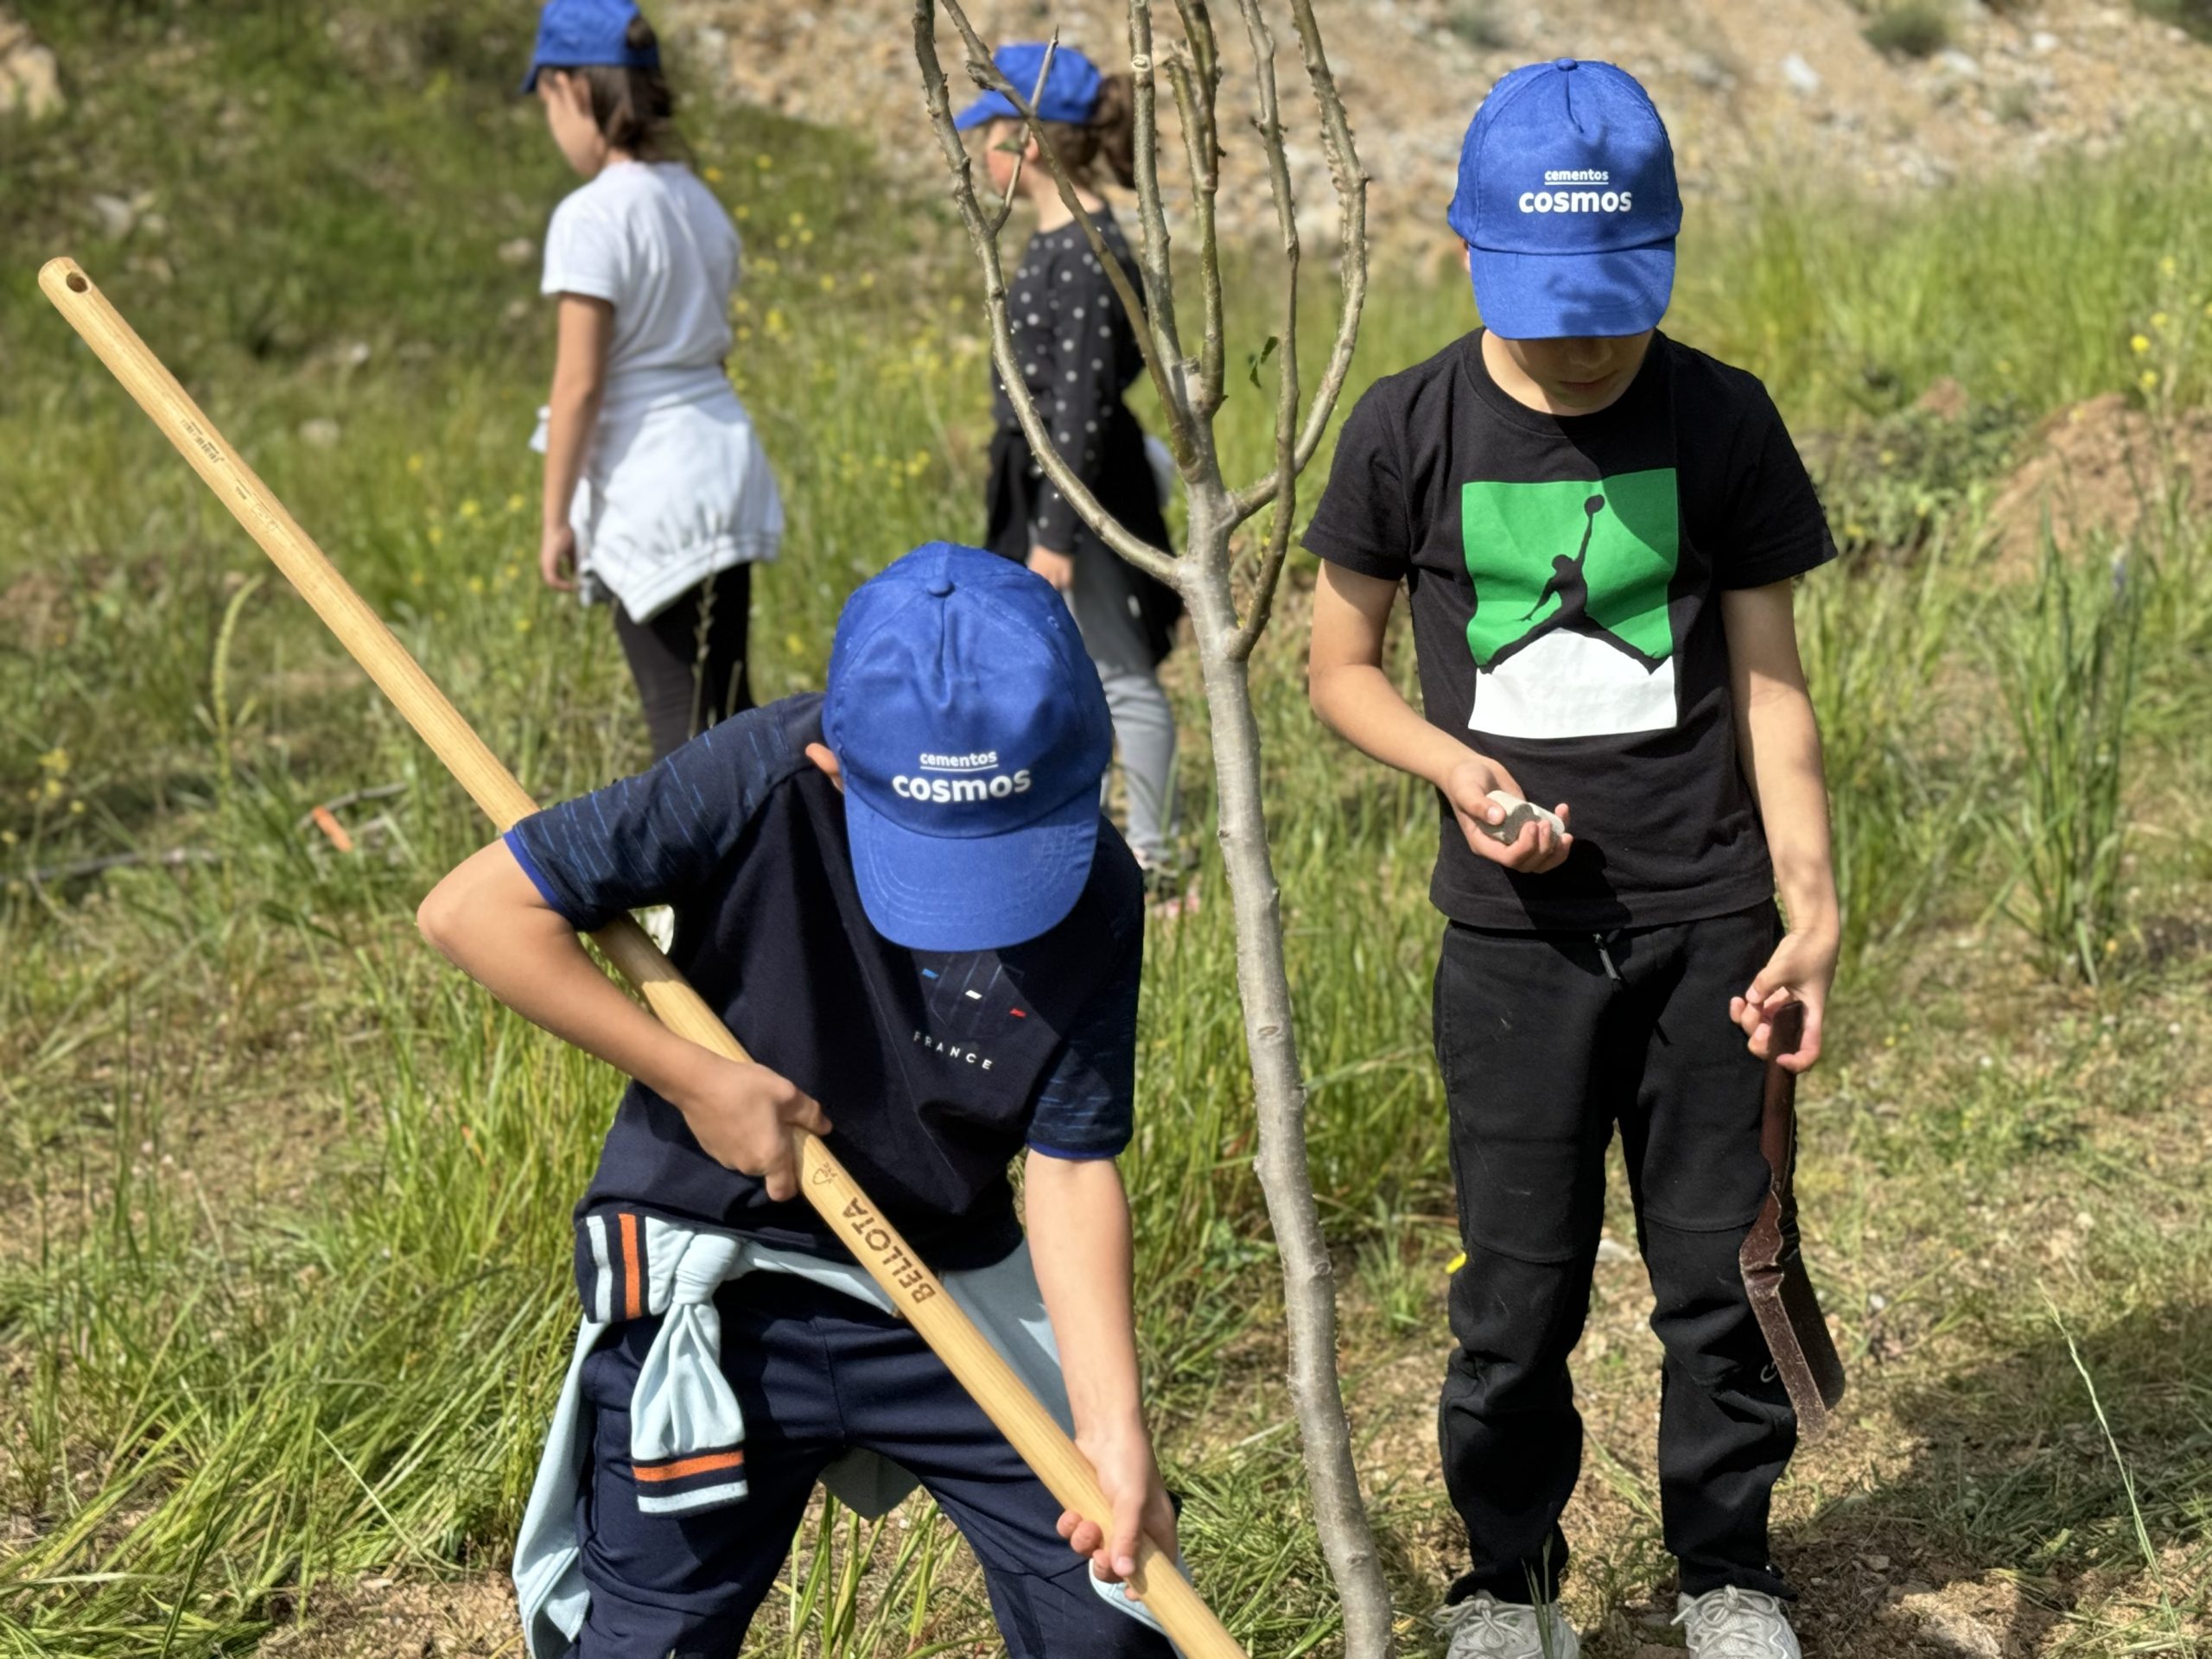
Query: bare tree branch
pixel 1349 181
pixel 1190 393
pixel 1021 154
pixel 1196 78
pixel 1192 438
pixel 1159 346
pixel 985 241
pixel 1266 120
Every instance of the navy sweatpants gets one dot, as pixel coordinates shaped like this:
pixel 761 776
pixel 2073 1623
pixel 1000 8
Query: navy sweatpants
pixel 816 1374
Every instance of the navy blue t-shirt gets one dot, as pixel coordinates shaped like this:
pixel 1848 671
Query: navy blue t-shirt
pixel 936 1069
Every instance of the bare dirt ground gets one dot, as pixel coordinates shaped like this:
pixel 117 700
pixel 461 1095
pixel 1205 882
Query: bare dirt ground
pixel 1783 94
pixel 2103 468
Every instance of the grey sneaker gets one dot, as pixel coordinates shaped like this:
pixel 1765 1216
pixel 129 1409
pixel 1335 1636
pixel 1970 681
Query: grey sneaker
pixel 1736 1623
pixel 1483 1628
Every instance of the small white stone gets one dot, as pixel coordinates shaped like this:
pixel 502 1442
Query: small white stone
pixel 1517 812
pixel 1801 77
pixel 320 433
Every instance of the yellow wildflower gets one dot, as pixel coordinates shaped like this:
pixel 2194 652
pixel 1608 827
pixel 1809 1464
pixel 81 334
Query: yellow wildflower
pixel 76 806
pixel 2168 265
pixel 414 463
pixel 712 175
pixel 7 838
pixel 522 625
pixel 476 584
pixel 514 504
pixel 797 219
pixel 469 508
pixel 2148 381
pixel 2140 344
pixel 764 161
pixel 510 573
pixel 828 283
pixel 806 236
pixel 741 212
pixel 54 788
pixel 868 280
pixel 436 535
pixel 56 761
pixel 414 579
pixel 2159 320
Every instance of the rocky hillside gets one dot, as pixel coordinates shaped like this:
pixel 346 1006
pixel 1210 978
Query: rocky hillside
pixel 1777 93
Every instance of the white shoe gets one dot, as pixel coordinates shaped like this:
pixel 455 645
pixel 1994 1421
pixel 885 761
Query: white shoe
pixel 659 923
pixel 1736 1623
pixel 1484 1628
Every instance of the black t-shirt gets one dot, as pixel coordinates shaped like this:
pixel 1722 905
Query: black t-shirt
pixel 1564 573
pixel 935 1068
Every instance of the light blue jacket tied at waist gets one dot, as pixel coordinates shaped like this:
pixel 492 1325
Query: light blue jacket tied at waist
pixel 682 1411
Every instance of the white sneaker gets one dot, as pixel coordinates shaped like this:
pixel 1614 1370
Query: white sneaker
pixel 1736 1623
pixel 1483 1628
pixel 659 923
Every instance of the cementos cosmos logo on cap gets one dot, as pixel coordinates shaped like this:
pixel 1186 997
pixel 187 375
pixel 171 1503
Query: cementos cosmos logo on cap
pixel 972 733
pixel 1567 203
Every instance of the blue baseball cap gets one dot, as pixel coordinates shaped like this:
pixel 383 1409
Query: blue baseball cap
pixel 576 34
pixel 972 733
pixel 1071 92
pixel 1567 201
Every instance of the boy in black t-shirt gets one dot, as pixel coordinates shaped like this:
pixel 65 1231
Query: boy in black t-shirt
pixel 902 900
pixel 1597 527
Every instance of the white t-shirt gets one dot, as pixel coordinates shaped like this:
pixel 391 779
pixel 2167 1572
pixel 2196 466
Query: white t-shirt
pixel 649 239
pixel 675 484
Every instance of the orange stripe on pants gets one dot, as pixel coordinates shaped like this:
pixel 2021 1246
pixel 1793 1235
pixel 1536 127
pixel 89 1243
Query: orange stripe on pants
pixel 631 1309
pixel 700 1466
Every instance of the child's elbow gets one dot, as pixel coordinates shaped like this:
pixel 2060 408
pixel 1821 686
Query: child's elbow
pixel 438 917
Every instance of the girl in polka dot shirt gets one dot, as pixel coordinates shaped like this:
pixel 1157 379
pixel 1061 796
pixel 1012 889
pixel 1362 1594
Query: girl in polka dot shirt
pixel 1079 353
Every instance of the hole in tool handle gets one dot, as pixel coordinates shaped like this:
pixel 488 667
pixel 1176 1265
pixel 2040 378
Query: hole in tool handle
pixel 78 283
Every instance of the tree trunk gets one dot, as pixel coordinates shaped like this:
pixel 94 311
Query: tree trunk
pixel 1279 1089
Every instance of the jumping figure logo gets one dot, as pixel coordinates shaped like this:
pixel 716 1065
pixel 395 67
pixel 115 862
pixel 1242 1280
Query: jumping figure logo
pixel 1572 645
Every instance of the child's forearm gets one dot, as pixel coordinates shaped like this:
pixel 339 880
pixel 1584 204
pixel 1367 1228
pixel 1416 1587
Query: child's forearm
pixel 489 921
pixel 572 411
pixel 1779 739
pixel 1782 742
pixel 1079 1243
pixel 1358 701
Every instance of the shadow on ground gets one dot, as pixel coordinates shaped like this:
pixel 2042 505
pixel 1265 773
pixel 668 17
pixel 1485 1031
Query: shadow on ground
pixel 2012 1531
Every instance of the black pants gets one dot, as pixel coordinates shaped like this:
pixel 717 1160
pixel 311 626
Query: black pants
pixel 1545 1041
pixel 690 660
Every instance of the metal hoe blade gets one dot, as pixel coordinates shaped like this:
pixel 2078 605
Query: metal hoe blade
pixel 1774 1266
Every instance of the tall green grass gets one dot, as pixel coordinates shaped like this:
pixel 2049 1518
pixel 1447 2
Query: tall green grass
pixel 287 1299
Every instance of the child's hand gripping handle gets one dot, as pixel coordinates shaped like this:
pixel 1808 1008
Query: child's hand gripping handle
pixel 825 1181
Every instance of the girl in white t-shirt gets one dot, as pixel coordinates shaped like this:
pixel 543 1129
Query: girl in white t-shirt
pixel 656 492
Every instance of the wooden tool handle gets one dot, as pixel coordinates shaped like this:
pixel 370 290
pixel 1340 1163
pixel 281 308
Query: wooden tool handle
pixel 827 1184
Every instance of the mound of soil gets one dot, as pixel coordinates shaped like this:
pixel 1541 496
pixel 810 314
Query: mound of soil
pixel 1787 93
pixel 2102 470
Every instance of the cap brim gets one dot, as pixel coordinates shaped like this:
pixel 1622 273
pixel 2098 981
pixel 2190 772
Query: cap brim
pixel 991 106
pixel 1556 295
pixel 982 892
pixel 529 80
